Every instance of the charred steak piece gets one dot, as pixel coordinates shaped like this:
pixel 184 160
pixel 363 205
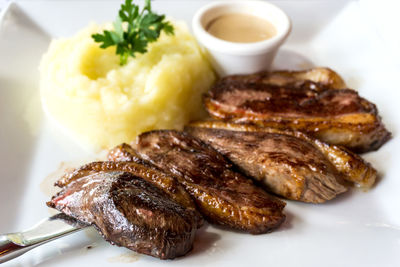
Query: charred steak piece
pixel 339 117
pixel 223 196
pixel 288 163
pixel 312 78
pixel 351 166
pixel 129 211
pixel 288 166
pixel 163 181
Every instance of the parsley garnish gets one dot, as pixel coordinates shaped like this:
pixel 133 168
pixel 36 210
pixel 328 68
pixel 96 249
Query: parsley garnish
pixel 141 28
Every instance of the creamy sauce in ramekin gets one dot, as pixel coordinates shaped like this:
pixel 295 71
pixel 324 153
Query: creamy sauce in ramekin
pixel 241 28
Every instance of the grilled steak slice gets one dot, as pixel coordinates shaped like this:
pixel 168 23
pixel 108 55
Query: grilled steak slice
pixel 290 164
pixel 351 166
pixel 339 117
pixel 313 78
pixel 131 212
pixel 163 181
pixel 223 196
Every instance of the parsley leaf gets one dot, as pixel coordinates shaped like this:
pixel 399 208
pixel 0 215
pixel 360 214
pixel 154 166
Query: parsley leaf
pixel 133 30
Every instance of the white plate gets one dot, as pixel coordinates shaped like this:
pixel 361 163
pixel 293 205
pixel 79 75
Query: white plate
pixel 356 229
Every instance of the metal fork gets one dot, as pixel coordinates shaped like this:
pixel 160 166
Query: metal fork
pixel 15 244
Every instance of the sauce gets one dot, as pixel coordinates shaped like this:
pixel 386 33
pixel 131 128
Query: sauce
pixel 127 257
pixel 241 28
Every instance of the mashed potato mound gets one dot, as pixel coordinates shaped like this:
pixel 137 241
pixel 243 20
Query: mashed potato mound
pixel 84 88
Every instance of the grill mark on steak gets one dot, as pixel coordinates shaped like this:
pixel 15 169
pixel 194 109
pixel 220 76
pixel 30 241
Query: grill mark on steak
pixel 348 165
pixel 340 117
pixel 223 196
pixel 143 169
pixel 286 165
pixel 312 78
pixel 268 100
pixel 129 211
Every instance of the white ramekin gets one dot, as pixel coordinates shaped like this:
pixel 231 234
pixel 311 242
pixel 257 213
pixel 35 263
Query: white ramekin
pixel 240 58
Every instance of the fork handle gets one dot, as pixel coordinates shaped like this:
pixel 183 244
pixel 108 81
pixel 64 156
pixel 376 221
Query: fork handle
pixel 13 245
pixel 9 250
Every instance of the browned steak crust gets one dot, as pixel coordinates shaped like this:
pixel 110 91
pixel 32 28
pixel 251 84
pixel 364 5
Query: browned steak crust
pixel 223 196
pixel 290 164
pixel 125 152
pixel 129 211
pixel 337 116
pixel 165 182
pixel 314 78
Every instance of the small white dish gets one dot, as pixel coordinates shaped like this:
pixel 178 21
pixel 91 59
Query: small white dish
pixel 241 58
